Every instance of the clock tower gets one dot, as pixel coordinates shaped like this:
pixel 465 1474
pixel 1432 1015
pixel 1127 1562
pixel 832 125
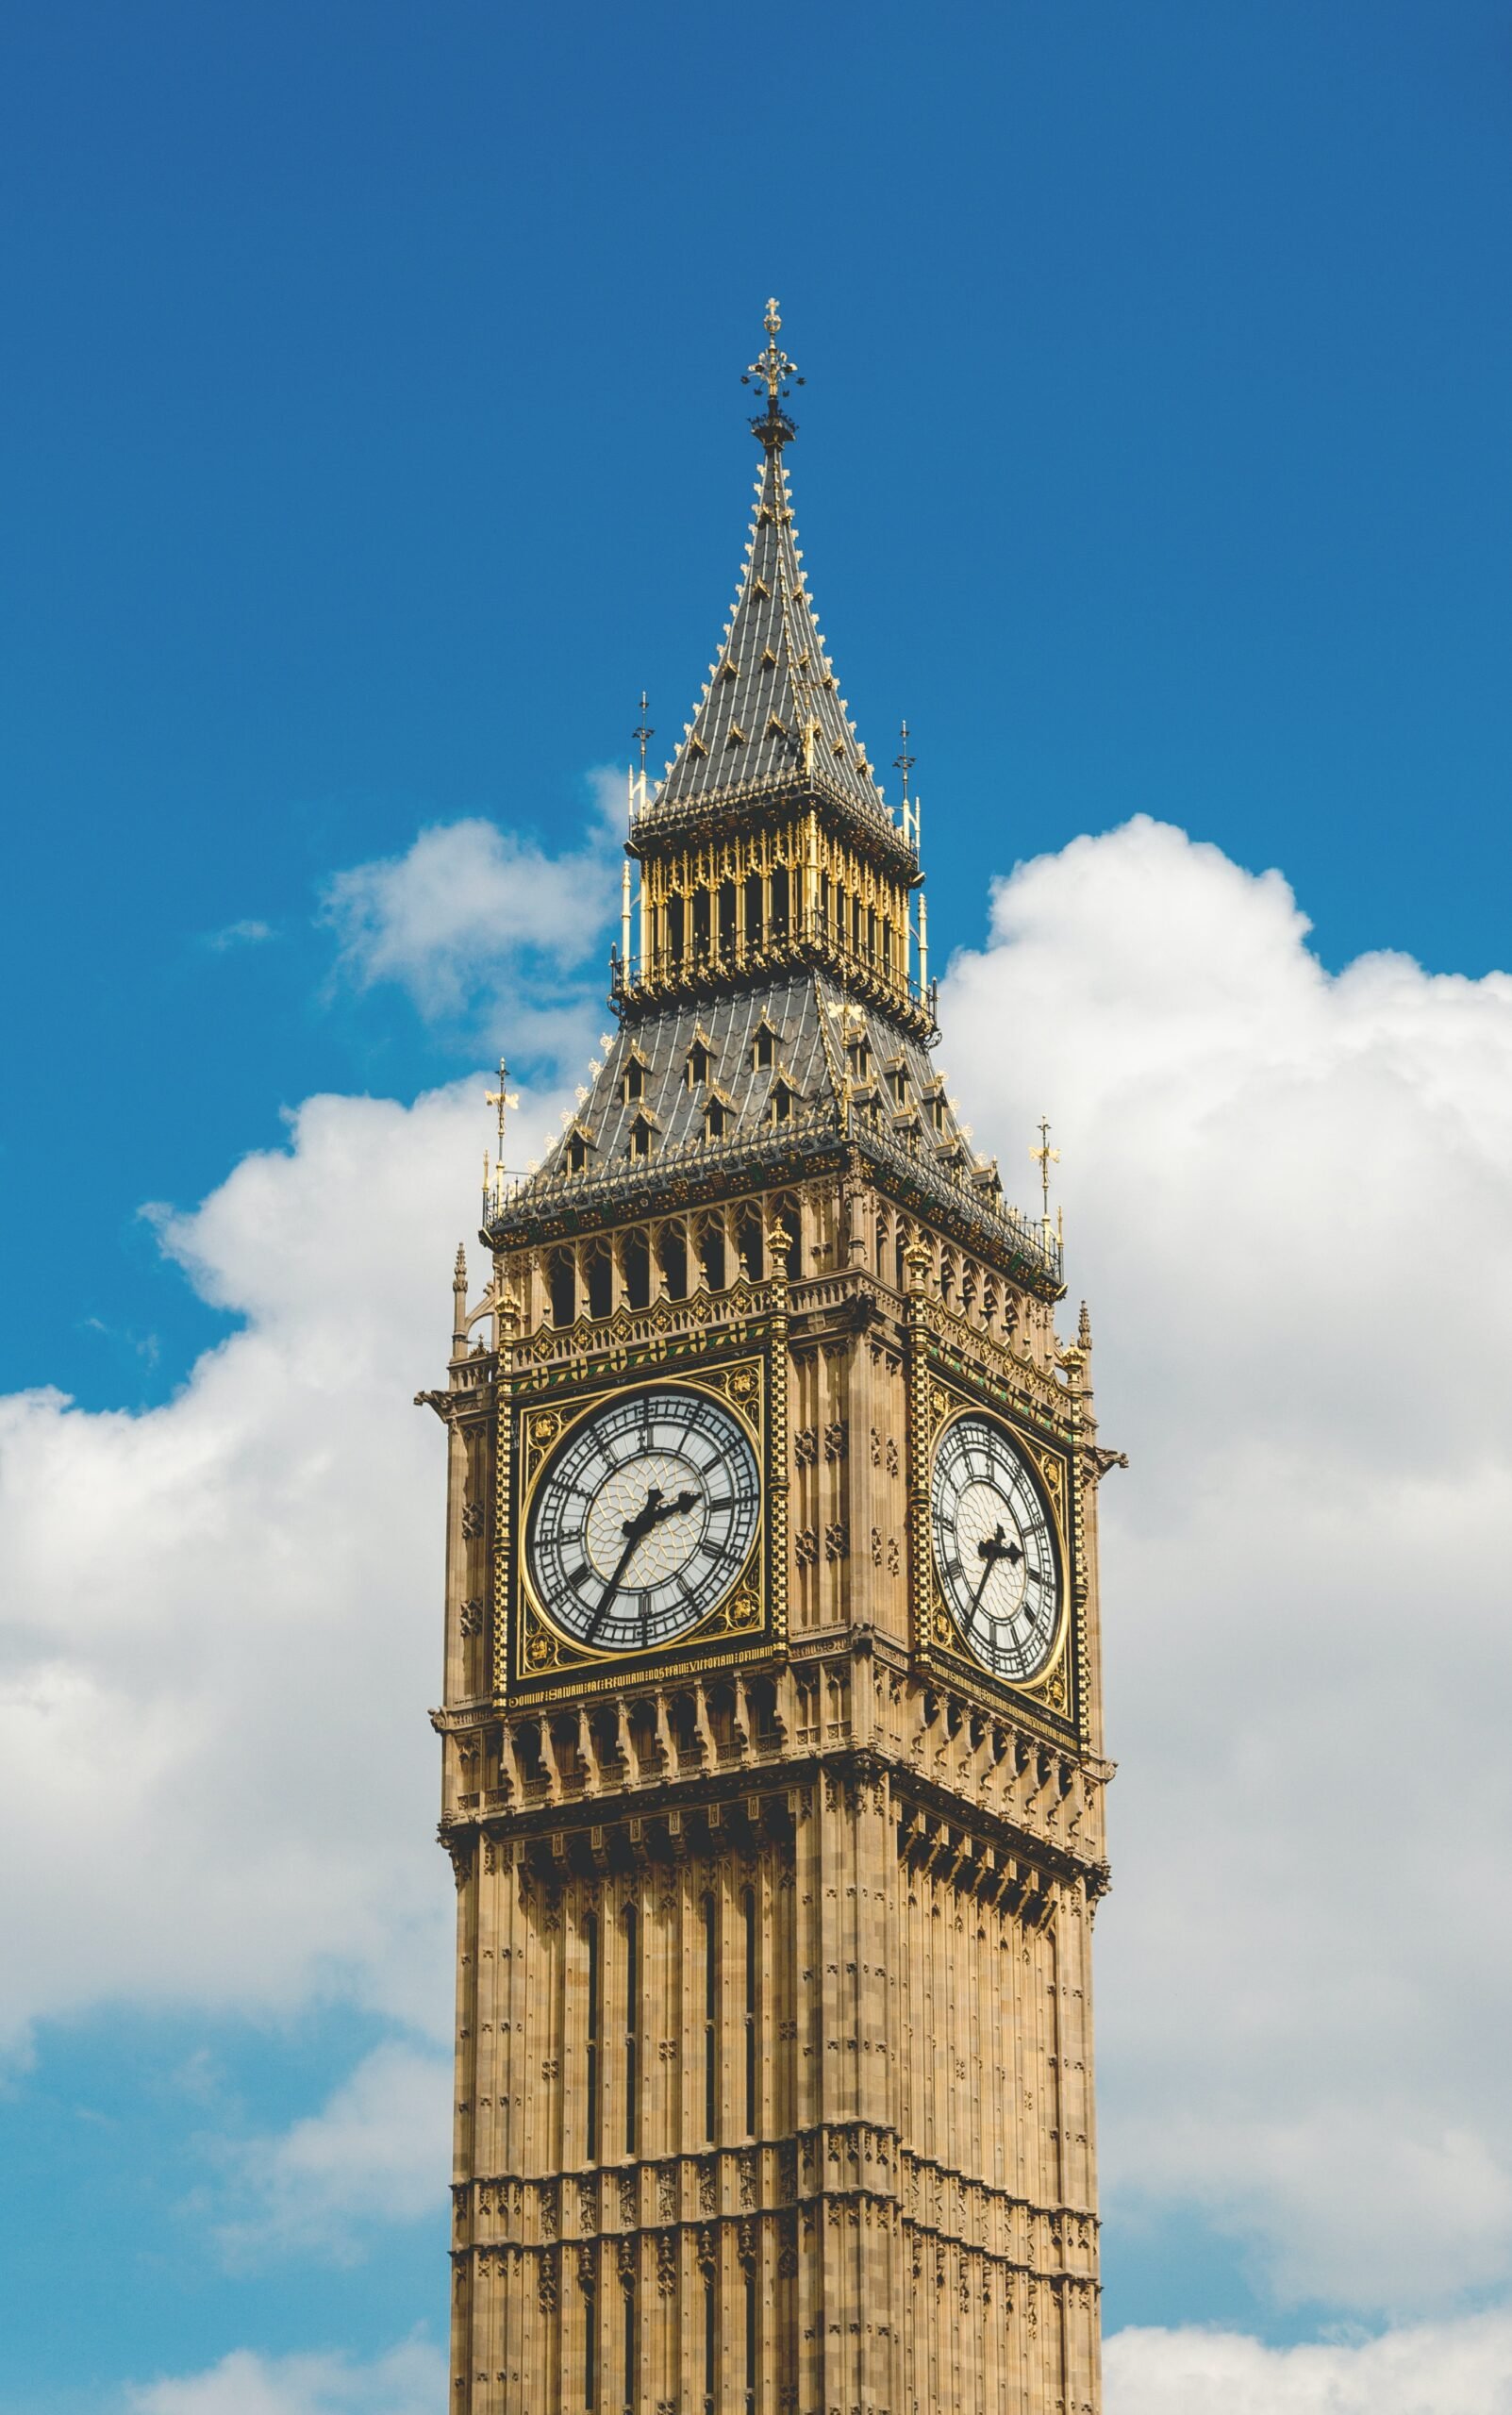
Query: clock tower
pixel 772 1751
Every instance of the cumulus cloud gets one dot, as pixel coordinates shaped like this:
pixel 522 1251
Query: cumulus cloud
pixel 221 1622
pixel 1461 2368
pixel 378 2151
pixel 409 2380
pixel 469 907
pixel 1288 1199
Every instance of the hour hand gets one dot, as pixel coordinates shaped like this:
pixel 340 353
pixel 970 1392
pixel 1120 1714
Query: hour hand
pixel 994 1548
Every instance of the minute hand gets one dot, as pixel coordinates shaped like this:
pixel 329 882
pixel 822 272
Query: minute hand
pixel 993 1551
pixel 635 1531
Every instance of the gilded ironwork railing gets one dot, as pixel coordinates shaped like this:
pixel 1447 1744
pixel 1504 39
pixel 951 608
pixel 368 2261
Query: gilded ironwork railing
pixel 664 818
pixel 767 1157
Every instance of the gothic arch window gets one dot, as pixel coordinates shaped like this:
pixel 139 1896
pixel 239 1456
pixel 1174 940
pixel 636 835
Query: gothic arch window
pixel 750 1242
pixel 594 2011
pixel 710 1248
pixel 711 2014
pixel 671 1257
pixel 779 902
pixel 677 930
pixel 632 2053
pixel 727 920
pixel 748 1909
pixel 561 1278
pixel 600 1272
pixel 635 1257
pixel 754 915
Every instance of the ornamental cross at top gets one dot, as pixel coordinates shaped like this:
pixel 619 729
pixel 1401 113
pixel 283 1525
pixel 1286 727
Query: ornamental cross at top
pixel 773 367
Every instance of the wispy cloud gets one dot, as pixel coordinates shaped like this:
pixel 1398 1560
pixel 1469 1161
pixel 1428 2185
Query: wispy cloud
pixel 409 2380
pixel 248 933
pixel 377 2151
pixel 469 911
pixel 1462 2368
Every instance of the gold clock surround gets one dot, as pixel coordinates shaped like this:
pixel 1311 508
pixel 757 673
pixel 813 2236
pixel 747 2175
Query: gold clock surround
pixel 744 1624
pixel 1054 1693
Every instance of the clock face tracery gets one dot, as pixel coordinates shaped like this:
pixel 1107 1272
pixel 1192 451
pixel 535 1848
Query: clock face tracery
pixel 643 1519
pixel 994 1549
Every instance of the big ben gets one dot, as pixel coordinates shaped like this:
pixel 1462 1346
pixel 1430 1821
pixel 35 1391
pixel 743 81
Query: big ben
pixel 772 1732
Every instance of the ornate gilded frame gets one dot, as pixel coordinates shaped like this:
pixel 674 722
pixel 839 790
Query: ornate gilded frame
pixel 1053 1700
pixel 533 1661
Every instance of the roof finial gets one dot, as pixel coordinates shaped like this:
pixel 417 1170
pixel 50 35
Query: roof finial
pixel 643 731
pixel 503 1098
pixel 772 369
pixel 905 762
pixel 1045 1156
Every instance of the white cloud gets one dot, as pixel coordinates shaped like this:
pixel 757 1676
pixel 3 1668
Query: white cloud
pixel 1288 1200
pixel 377 2152
pixel 247 933
pixel 1289 1197
pixel 221 1623
pixel 409 2380
pixel 1461 2368
pixel 463 910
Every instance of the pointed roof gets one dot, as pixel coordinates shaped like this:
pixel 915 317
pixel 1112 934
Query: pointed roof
pixel 816 1024
pixel 770 715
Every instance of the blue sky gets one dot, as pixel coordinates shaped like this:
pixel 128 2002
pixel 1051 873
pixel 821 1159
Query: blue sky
pixel 374 434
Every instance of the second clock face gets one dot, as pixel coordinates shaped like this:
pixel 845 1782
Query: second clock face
pixel 994 1551
pixel 643 1519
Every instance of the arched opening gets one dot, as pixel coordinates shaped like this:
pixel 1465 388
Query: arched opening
pixel 750 1243
pixel 636 1260
pixel 710 1244
pixel 672 1254
pixel 600 1273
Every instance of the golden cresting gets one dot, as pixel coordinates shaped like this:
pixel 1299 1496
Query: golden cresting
pixel 771 1736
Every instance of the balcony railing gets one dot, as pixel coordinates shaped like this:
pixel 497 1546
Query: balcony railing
pixel 619 1184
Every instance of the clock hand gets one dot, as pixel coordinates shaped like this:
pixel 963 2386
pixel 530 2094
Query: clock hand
pixel 635 1531
pixel 993 1551
pixel 632 1529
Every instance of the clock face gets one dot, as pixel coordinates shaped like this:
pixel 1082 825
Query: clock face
pixel 643 1519
pixel 994 1551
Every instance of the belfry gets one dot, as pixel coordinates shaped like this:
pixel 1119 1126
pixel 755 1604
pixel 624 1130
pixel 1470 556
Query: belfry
pixel 773 1751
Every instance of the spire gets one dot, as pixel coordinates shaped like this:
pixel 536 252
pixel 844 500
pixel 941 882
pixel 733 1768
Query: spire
pixel 771 716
